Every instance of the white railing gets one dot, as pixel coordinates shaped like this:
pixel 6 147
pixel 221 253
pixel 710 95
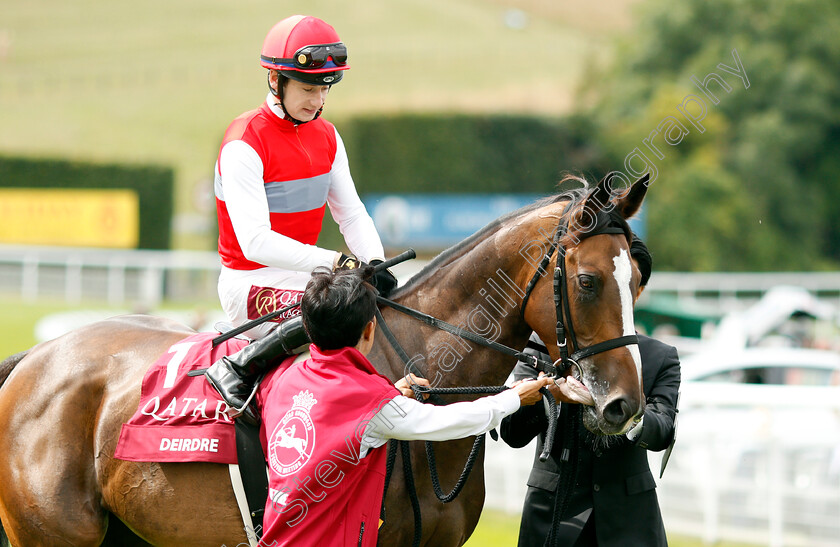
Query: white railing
pixel 141 277
pixel 147 277
pixel 730 291
pixel 757 464
pixel 752 464
pixel 116 276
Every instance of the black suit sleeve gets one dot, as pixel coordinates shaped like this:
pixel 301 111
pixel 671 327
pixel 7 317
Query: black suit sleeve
pixel 661 408
pixel 519 428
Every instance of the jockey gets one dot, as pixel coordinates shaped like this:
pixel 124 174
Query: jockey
pixel 278 168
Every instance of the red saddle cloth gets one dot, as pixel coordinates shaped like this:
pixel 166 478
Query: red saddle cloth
pixel 181 418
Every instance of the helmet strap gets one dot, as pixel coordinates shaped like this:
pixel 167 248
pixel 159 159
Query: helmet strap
pixel 279 91
pixel 279 94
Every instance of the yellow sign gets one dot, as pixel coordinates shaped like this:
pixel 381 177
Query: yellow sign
pixel 77 217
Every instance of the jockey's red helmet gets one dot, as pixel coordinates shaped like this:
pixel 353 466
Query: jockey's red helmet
pixel 306 49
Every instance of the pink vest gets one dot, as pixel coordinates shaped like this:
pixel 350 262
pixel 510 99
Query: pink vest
pixel 296 172
pixel 321 493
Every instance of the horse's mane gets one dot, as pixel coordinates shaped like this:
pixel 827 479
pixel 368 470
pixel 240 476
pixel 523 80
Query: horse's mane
pixel 572 195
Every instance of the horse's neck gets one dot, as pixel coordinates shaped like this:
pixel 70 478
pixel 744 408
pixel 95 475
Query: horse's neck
pixel 478 293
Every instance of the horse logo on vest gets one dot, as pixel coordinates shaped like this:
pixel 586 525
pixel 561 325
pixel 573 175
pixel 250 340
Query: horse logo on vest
pixel 293 440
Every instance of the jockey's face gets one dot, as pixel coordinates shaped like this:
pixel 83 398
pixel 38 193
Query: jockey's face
pixel 303 101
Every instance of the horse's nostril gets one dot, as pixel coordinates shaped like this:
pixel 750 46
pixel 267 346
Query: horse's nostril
pixel 617 411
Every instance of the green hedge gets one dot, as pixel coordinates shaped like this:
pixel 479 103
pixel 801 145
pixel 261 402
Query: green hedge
pixel 416 153
pixel 437 153
pixel 153 185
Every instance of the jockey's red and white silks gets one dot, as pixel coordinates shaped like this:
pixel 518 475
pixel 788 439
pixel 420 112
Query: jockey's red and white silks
pixel 296 163
pixel 273 180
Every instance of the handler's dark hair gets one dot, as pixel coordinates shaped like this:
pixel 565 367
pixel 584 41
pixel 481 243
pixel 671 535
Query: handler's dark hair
pixel 639 251
pixel 336 306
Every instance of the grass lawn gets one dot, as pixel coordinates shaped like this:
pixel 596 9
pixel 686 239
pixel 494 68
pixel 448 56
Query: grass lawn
pixel 19 319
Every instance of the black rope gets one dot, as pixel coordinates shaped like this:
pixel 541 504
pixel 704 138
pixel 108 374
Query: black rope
pixel 465 473
pixel 412 489
pixel 389 468
pixel 569 458
pixel 420 391
pixel 389 335
pixel 552 424
pixel 474 451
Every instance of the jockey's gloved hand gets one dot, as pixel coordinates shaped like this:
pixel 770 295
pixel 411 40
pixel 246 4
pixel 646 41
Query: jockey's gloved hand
pixel 347 262
pixel 383 280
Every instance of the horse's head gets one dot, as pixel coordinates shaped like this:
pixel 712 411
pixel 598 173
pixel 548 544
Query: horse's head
pixel 593 290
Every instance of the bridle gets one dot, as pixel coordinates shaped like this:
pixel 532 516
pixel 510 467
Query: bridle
pixel 608 223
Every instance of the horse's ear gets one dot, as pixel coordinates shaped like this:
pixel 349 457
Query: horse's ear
pixel 630 204
pixel 598 200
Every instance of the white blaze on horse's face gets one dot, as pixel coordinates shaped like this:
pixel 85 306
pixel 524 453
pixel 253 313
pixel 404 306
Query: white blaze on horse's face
pixel 623 277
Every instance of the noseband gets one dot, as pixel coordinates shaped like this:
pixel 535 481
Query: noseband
pixel 606 223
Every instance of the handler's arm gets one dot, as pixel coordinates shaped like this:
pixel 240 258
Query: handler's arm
pixel 409 420
pixel 518 429
pixel 660 410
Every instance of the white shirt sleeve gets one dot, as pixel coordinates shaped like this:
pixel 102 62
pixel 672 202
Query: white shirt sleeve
pixel 247 205
pixel 410 420
pixel 348 210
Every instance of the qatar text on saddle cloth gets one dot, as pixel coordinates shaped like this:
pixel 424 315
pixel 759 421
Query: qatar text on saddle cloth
pixel 181 418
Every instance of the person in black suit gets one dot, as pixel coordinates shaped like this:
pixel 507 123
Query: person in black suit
pixel 599 492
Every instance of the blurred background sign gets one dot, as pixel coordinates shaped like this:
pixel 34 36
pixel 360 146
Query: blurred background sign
pixel 80 217
pixel 433 222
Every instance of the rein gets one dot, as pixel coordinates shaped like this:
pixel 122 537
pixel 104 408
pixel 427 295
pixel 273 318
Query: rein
pixel 537 363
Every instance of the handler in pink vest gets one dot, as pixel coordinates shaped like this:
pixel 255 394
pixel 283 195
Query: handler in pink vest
pixel 326 419
pixel 279 167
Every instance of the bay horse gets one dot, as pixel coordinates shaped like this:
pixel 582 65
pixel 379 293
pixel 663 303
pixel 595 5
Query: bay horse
pixel 63 401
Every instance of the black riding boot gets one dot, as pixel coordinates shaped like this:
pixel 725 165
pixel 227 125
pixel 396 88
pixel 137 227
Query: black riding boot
pixel 233 376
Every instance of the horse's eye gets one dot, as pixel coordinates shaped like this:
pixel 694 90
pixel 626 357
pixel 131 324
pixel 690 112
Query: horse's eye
pixel 586 282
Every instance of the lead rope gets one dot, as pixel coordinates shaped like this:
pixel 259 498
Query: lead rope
pixel 569 459
pixel 419 391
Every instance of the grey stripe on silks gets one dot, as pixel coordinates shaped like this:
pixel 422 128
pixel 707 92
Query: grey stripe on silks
pixel 294 196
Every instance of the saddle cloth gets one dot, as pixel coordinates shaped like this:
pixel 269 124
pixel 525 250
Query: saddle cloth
pixel 181 418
